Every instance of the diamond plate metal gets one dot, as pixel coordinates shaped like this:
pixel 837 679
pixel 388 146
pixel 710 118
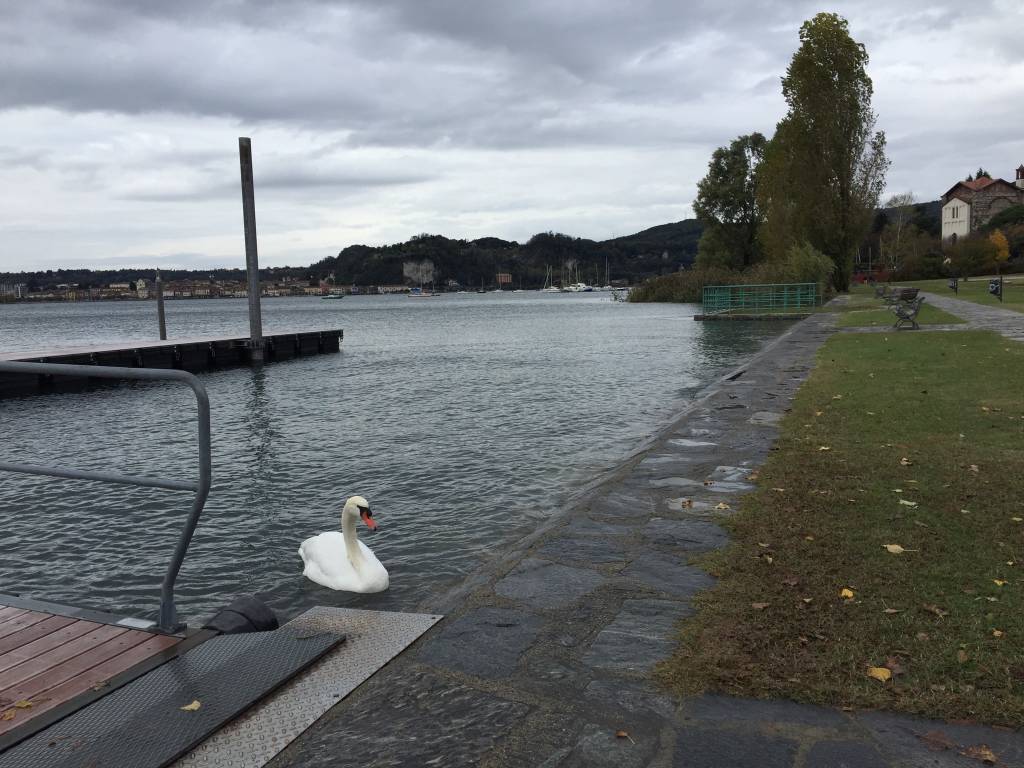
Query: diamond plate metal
pixel 373 639
pixel 142 724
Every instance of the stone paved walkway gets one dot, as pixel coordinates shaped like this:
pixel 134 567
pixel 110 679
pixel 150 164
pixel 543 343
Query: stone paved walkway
pixel 546 652
pixel 1005 321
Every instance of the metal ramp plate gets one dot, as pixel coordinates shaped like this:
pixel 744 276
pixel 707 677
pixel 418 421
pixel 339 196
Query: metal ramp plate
pixel 142 724
pixel 373 638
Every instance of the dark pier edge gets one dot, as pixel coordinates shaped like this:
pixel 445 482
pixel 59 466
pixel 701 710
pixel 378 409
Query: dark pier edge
pixel 192 355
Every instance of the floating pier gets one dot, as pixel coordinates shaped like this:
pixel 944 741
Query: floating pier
pixel 193 355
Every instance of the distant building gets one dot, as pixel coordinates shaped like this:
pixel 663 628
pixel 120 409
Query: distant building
pixel 969 205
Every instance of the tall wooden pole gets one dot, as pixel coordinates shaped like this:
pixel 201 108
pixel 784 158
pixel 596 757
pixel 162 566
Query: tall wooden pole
pixel 251 260
pixel 160 307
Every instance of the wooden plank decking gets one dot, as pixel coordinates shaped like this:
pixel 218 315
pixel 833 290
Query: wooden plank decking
pixel 47 659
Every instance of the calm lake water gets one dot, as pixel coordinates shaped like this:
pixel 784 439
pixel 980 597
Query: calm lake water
pixel 463 419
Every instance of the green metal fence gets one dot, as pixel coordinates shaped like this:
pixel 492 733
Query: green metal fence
pixel 724 298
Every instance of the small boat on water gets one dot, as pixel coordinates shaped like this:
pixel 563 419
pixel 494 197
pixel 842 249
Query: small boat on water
pixel 333 296
pixel 419 293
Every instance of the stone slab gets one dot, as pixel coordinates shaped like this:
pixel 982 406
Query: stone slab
pixel 410 719
pixel 643 634
pixel 585 550
pixel 715 708
pixel 844 754
pixel 635 698
pixel 765 418
pixel 707 748
pixel 668 574
pixel 689 535
pixel 486 642
pixel 543 584
pixel 598 747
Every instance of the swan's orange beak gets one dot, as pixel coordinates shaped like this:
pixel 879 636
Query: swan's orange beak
pixel 367 516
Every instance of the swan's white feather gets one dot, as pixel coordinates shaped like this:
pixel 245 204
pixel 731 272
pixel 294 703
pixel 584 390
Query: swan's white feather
pixel 327 563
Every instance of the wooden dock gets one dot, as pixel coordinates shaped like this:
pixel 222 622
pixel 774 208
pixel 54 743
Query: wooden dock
pixel 193 355
pixel 52 661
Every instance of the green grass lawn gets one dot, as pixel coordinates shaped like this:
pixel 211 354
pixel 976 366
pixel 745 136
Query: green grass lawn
pixel 928 315
pixel 914 440
pixel 976 290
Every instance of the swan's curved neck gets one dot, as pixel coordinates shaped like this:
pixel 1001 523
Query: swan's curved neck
pixel 348 530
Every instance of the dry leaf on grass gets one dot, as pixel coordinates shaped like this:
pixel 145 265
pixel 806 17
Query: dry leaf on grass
pixel 837 397
pixel 906 503
pixel 999 582
pixel 896 549
pixel 973 468
pixel 759 606
pixel 722 505
pixel 779 490
pixel 905 462
pixel 891 610
pixel 191 707
pixel 893 665
pixel 846 593
pixel 962 656
pixel 825 448
pixel 997 633
pixel 936 610
pixel 880 673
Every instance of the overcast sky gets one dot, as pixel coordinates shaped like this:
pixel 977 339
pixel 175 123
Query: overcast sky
pixel 374 120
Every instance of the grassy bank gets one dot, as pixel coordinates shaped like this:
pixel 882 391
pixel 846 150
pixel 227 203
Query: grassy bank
pixel 899 477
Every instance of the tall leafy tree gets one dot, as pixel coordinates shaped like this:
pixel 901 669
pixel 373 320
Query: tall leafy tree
pixel 824 169
pixel 727 204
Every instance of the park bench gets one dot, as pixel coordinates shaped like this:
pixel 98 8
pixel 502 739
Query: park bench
pixel 900 295
pixel 907 313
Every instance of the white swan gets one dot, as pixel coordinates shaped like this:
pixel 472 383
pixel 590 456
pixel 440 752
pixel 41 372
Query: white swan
pixel 340 560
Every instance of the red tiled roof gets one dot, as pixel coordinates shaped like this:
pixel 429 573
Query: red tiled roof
pixel 979 183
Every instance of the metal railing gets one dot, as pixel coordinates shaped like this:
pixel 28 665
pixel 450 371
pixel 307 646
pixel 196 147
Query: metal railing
pixel 770 296
pixel 168 621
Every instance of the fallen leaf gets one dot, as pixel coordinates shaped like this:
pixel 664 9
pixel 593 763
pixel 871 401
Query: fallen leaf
pixel 897 490
pixel 722 505
pixel 896 549
pixel 825 448
pixel 808 538
pixel 922 636
pixel 973 467
pixel 906 462
pixel 880 673
pixel 763 545
pixel 759 606
pixel 936 610
pixel 891 610
pixel 985 408
pixel 997 633
pixel 837 397
pixel 10 714
pixel 846 593
pixel 768 559
pixel 819 413
pixel 779 490
pixel 807 599
pixel 907 503
pixel 871 413
pixel 1017 519
pixel 624 735
pixel 981 752
pixel 752 476
pixel 961 656
pixel 999 582
pixel 791 582
pixel 191 707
